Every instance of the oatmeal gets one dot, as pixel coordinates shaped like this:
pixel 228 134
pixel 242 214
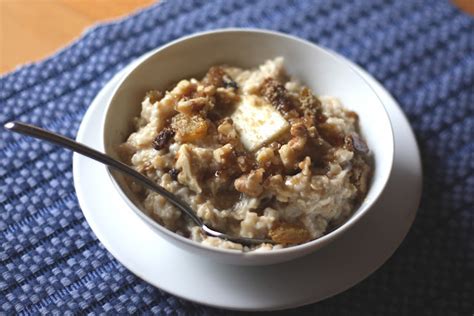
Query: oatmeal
pixel 254 153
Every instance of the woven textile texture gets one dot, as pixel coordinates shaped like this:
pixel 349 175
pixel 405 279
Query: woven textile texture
pixel 421 50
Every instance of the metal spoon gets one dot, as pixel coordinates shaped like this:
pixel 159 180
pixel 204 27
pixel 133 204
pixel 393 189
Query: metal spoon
pixel 62 141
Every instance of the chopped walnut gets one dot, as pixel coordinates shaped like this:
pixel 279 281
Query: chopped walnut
pixel 291 152
pixel 309 103
pixel 305 167
pixel 250 184
pixel 245 161
pixel 276 94
pixel 224 154
pixel 154 95
pixel 265 157
pixel 288 156
pixel 185 88
pixel 217 77
pixel 187 176
pixel 192 106
pixel 225 98
pixel 298 129
pixel 227 133
pixel 224 93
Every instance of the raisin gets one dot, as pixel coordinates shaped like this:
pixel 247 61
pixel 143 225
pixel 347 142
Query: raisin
pixel 359 144
pixel 289 234
pixel 320 118
pixel 229 83
pixel 163 138
pixel 174 173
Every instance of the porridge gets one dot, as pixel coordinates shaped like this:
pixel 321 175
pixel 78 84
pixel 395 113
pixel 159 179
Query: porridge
pixel 253 152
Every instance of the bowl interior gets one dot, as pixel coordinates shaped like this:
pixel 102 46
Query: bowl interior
pixel 319 69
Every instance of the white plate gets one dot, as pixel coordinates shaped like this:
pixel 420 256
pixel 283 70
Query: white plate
pixel 329 271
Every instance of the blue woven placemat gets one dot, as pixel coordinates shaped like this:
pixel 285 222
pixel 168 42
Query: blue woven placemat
pixel 422 51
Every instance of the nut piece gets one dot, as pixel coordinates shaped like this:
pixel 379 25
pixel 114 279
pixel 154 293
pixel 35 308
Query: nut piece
pixel 310 105
pixel 291 152
pixel 250 184
pixel 245 161
pixel 276 94
pixel 289 234
pixel 154 95
pixel 223 155
pixel 265 157
pixel 189 128
pixel 184 88
pixel 227 133
pixel 217 77
pixel 188 175
pixel 192 106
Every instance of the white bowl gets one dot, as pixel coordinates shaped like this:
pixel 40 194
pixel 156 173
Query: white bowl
pixel 323 71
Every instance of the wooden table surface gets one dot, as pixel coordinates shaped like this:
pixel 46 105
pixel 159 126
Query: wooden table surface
pixel 34 29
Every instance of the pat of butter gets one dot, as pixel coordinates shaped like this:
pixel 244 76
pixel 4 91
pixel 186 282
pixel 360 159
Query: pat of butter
pixel 257 122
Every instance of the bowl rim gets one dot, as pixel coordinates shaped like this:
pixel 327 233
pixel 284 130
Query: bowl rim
pixel 301 248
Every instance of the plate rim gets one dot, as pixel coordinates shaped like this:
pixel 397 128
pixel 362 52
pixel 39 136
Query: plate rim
pixel 303 301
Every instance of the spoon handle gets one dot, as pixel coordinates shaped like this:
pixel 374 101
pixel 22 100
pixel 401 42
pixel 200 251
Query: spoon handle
pixel 62 141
